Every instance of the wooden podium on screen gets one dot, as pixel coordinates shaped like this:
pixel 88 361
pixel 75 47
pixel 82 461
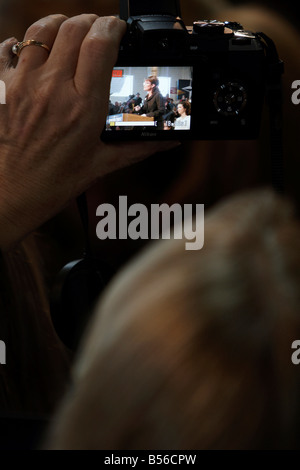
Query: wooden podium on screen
pixel 131 119
pixel 136 117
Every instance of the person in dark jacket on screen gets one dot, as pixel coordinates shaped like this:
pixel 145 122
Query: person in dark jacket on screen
pixel 153 103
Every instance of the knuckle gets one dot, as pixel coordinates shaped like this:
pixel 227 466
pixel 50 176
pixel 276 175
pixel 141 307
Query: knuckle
pixel 108 32
pixel 8 42
pixel 69 27
pixel 45 25
pixel 99 42
pixel 100 46
pixel 34 30
pixel 111 22
pixel 87 17
pixel 80 22
pixel 56 18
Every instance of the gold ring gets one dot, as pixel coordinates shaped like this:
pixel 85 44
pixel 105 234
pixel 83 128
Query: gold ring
pixel 16 49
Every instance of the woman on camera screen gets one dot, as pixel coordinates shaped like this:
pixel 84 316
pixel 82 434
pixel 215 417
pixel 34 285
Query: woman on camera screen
pixel 183 122
pixel 153 103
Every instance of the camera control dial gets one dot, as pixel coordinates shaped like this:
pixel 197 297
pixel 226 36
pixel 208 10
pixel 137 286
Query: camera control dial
pixel 230 98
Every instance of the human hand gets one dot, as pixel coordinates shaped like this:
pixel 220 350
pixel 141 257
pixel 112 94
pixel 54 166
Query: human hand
pixel 56 105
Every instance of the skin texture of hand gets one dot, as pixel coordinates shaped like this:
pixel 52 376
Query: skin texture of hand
pixel 56 105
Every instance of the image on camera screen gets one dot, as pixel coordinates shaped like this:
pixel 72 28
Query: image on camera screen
pixel 155 98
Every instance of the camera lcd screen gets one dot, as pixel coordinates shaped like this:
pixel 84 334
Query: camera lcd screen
pixel 150 98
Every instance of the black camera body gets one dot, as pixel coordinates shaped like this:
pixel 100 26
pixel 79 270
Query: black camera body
pixel 211 78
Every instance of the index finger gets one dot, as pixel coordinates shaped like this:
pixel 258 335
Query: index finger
pixel 98 54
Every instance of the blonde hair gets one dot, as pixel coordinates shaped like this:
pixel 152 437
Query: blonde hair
pixel 192 350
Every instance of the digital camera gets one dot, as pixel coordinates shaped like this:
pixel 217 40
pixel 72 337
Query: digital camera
pixel 205 81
